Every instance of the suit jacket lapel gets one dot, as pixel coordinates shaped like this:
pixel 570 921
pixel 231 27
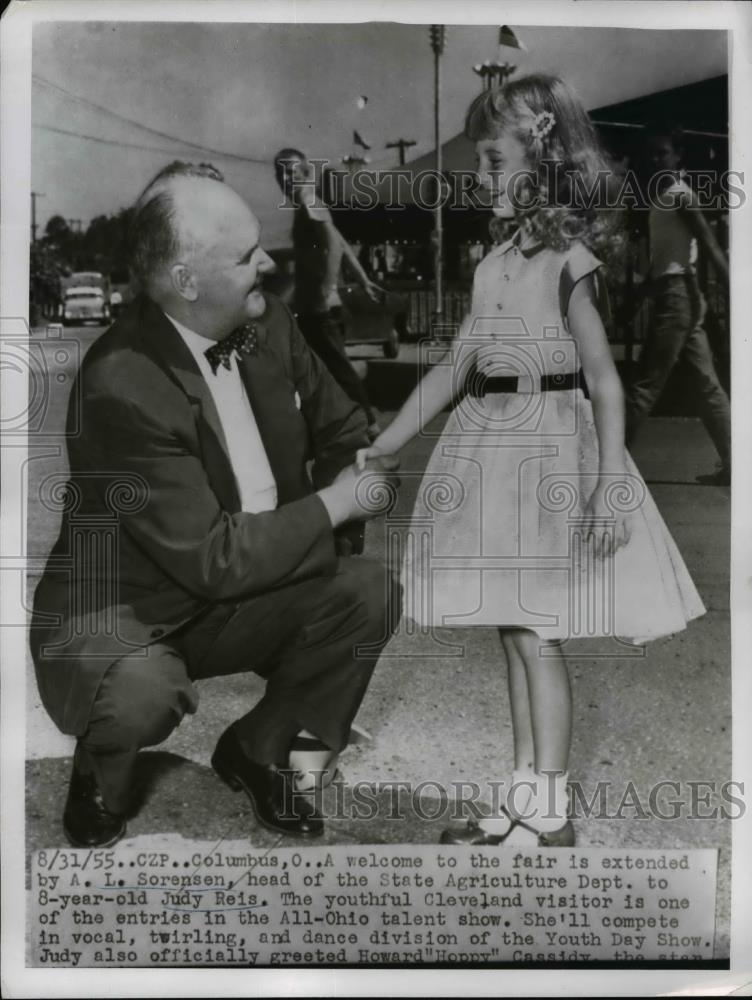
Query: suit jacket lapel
pixel 163 340
pixel 270 394
pixel 284 433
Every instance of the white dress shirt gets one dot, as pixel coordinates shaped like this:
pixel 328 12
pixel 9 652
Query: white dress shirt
pixel 253 474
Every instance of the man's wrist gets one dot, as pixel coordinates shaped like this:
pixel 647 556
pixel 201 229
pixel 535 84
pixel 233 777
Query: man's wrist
pixel 332 499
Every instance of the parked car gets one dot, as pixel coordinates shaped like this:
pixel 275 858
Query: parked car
pixel 83 304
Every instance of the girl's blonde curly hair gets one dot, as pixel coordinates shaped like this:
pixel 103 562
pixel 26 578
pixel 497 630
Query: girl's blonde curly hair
pixel 570 174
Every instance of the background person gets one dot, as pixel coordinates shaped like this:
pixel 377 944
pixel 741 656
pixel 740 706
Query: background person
pixel 677 332
pixel 320 249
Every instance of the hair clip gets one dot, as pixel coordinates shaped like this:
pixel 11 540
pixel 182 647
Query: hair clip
pixel 544 122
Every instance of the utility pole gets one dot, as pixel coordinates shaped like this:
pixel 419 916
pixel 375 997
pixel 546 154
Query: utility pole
pixel 401 145
pixel 34 196
pixel 438 40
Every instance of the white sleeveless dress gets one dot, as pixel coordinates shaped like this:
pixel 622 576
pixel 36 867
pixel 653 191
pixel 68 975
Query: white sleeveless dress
pixel 495 537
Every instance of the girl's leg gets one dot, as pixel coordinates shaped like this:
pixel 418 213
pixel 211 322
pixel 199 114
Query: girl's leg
pixel 518 795
pixel 550 699
pixel 519 701
pixel 551 717
pixel 541 705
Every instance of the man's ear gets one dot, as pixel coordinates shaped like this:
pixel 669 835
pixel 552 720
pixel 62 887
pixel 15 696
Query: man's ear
pixel 184 282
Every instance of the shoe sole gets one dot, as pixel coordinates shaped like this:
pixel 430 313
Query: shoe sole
pixel 236 784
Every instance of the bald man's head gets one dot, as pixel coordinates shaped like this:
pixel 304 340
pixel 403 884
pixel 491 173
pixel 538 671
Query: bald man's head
pixel 195 250
pixel 153 236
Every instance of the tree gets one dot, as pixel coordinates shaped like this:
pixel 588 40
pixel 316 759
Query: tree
pixel 67 243
pixel 46 271
pixel 57 230
pixel 104 244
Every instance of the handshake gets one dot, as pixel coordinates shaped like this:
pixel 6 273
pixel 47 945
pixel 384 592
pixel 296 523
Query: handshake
pixel 363 490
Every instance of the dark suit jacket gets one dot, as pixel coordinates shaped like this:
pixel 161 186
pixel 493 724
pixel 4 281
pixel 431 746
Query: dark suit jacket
pixel 152 531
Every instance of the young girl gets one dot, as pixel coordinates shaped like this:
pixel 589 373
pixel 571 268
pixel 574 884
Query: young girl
pixel 544 526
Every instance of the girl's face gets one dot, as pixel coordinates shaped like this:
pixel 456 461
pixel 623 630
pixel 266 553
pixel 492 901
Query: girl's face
pixel 499 162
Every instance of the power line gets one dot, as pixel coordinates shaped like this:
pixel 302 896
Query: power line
pixel 118 142
pixel 108 142
pixel 132 121
pixel 146 128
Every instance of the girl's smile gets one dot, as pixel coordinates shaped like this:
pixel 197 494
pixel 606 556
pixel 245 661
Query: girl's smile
pixel 500 162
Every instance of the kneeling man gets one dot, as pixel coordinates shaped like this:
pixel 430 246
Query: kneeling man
pixel 210 467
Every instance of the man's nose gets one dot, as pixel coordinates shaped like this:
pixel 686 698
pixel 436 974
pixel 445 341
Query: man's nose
pixel 266 264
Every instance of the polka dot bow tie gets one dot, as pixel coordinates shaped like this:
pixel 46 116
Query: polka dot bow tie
pixel 244 340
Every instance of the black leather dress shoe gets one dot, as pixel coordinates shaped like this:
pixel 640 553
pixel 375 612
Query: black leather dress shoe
pixel 276 803
pixel 87 822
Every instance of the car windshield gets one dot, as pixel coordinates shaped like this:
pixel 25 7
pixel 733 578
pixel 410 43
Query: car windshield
pixel 86 294
pixel 86 278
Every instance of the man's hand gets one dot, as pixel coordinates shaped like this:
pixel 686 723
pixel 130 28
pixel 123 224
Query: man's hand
pixel 361 494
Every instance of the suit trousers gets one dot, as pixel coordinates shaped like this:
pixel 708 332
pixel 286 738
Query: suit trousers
pixel 324 333
pixel 316 642
pixel 677 332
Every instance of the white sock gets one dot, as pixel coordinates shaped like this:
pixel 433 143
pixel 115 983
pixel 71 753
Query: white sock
pixel 548 807
pixel 517 799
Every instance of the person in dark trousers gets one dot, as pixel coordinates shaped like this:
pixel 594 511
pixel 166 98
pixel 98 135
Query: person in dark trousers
pixel 320 250
pixel 677 229
pixel 194 542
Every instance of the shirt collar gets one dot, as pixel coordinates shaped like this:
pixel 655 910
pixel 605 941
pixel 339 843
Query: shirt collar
pixel 195 342
pixel 190 336
pixel 531 249
pixel 514 243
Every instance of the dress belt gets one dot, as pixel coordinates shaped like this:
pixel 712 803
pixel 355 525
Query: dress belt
pixel 479 385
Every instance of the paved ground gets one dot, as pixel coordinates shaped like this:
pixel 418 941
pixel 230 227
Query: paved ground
pixel 444 719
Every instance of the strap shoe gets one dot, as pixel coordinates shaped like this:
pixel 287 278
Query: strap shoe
pixel 474 835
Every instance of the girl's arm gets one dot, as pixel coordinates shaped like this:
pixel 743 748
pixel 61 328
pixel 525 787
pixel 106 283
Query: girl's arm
pixel 430 396
pixel 604 384
pixel 607 398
